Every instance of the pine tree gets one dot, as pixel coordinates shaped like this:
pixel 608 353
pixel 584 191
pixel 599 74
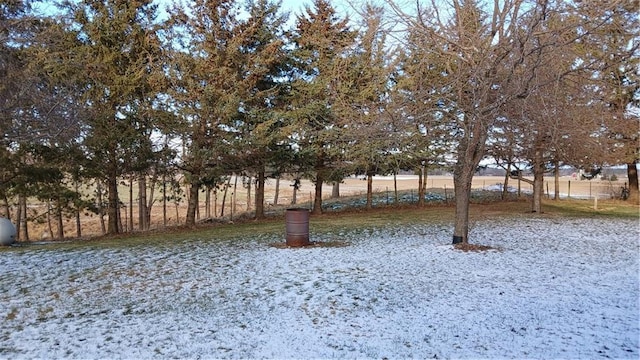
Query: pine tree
pixel 321 38
pixel 361 79
pixel 259 144
pixel 112 50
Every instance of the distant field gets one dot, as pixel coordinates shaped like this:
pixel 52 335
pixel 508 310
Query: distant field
pixel 581 189
pixel 569 187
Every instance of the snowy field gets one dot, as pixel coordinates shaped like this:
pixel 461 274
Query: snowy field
pixel 557 288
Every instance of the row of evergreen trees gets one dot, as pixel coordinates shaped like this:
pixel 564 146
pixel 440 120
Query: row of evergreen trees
pixel 96 92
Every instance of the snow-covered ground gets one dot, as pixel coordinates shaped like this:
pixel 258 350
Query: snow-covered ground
pixel 558 288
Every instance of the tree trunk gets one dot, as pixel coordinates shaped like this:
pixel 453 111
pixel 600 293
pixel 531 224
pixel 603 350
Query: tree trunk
pixel 143 216
pixel 224 196
pixel 470 151
pixel 164 200
pixel 192 204
pixel 100 207
pixel 317 202
pixel 59 219
pixel 249 185
pixel 198 206
pixel 260 194
pixel 233 197
pixel 19 220
pixel 424 185
pixel 78 225
pixel 421 187
pixel 632 176
pixel 424 180
pixel 277 193
pixel 505 185
pixel 538 191
pixel 320 178
pixel 207 203
pixel 556 184
pixel 519 187
pixel 538 182
pixel 7 207
pixel 369 190
pixel 395 187
pixel 150 200
pixel 49 226
pixel 335 191
pixel 215 202
pixel 119 218
pixel 130 215
pixel 114 204
pixel 76 185
pixel 462 190
pixel 24 228
pixel 294 196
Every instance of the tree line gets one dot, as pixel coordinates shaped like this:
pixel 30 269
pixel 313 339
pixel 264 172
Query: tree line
pixel 97 92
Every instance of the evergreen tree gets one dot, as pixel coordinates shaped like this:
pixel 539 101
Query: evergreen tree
pixel 113 52
pixel 611 50
pixel 321 39
pixel 259 143
pixel 224 77
pixel 361 79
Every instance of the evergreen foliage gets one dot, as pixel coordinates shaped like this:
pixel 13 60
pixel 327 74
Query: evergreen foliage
pixel 101 93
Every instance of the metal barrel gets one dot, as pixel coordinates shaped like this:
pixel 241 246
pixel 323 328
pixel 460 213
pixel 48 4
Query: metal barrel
pixel 297 227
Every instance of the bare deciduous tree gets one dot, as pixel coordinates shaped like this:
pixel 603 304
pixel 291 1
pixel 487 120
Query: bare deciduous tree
pixel 482 50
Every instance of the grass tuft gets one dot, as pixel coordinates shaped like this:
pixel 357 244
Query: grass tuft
pixel 313 244
pixel 474 247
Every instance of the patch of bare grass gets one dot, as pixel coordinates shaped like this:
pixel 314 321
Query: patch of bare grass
pixel 466 247
pixel 313 244
pixel 581 208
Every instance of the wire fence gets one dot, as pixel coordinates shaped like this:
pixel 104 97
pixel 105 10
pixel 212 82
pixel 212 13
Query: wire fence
pixel 239 201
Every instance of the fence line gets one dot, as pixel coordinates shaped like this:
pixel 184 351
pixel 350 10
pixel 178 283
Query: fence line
pixel 238 202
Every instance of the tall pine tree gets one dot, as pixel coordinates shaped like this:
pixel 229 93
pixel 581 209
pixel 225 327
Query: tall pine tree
pixel 321 39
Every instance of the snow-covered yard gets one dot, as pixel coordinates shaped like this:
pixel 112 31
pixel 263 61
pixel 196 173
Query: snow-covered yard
pixel 558 288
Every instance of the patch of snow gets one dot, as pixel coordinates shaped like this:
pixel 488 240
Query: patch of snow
pixel 390 177
pixel 556 288
pixel 500 186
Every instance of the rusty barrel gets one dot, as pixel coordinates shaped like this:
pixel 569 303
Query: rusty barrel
pixel 297 227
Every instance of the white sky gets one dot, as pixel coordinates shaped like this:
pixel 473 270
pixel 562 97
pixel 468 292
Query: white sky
pixel 295 7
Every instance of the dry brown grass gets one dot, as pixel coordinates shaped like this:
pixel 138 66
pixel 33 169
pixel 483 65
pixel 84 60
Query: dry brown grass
pixel 312 244
pixel 474 247
pixel 239 207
